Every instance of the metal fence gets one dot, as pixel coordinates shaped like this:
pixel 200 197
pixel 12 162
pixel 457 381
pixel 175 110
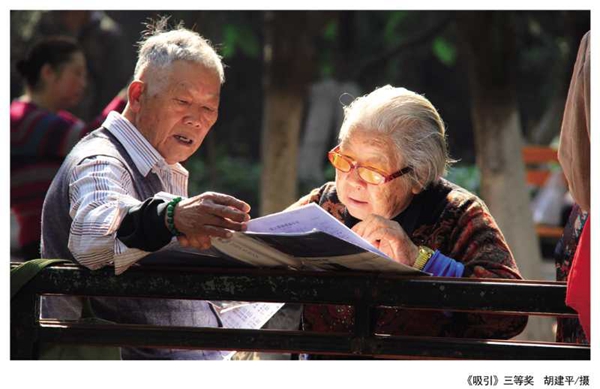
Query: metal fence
pixel 364 291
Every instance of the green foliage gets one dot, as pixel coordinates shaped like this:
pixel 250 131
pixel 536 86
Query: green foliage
pixel 329 172
pixel 239 37
pixel 467 176
pixel 444 51
pixel 395 19
pixel 234 176
pixel 330 33
pixel 326 52
pixel 394 67
pixel 326 68
pixel 198 175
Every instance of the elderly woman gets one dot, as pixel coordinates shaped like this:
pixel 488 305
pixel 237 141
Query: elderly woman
pixel 389 189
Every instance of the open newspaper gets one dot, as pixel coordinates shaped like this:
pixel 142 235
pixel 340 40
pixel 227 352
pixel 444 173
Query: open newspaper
pixel 307 237
pixel 303 238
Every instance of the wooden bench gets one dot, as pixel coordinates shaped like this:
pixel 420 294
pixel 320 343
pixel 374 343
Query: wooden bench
pixel 537 160
pixel 364 291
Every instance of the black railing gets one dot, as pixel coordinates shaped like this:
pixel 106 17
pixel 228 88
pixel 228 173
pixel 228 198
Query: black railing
pixel 364 291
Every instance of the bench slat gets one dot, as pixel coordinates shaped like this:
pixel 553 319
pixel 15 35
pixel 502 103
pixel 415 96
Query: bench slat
pixel 267 285
pixel 306 342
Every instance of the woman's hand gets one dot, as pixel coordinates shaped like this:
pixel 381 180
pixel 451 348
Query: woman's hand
pixel 209 215
pixel 387 236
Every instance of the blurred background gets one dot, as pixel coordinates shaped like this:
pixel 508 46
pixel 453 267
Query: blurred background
pixel 498 78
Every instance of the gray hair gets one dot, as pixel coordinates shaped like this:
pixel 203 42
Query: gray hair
pixel 413 124
pixel 160 47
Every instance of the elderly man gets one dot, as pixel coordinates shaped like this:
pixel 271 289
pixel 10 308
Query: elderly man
pixel 118 195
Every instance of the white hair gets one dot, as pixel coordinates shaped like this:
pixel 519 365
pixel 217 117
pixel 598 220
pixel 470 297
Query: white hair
pixel 413 124
pixel 159 48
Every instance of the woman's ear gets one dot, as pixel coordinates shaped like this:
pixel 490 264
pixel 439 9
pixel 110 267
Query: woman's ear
pixel 134 94
pixel 416 188
pixel 47 74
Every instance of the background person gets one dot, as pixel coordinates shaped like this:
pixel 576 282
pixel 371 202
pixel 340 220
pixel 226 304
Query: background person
pixel 42 131
pixel 389 189
pixel 109 58
pixel 574 157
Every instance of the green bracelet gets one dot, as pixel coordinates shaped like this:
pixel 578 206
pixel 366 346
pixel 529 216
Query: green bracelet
pixel 171 216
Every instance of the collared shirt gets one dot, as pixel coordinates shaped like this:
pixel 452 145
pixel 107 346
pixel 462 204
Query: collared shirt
pixel 101 192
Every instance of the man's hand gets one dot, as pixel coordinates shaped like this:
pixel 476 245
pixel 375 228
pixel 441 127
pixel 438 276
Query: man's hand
pixel 389 237
pixel 209 215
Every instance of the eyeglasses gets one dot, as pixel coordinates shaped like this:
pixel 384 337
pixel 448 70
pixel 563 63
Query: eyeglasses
pixel 367 174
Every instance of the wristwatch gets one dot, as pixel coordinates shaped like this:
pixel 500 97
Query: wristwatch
pixel 424 254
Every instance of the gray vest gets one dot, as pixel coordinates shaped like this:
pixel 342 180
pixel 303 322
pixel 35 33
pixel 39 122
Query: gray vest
pixel 56 224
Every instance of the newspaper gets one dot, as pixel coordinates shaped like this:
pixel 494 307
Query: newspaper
pixel 308 218
pixel 245 316
pixel 307 237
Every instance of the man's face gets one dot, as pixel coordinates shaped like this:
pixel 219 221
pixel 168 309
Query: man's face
pixel 178 107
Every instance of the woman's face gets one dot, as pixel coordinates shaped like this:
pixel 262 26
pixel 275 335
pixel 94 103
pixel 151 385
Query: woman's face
pixel 66 85
pixel 362 199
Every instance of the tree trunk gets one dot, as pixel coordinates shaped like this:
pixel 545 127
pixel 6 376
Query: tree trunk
pixel 283 114
pixel 548 127
pixel 288 57
pixel 317 131
pixel 324 119
pixel 488 41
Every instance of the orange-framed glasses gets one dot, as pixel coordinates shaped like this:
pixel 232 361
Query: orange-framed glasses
pixel 368 174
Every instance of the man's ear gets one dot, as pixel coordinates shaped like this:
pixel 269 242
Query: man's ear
pixel 134 94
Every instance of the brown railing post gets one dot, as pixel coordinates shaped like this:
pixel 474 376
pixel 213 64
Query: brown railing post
pixel 363 317
pixel 24 327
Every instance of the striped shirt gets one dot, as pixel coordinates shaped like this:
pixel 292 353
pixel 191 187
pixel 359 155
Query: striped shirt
pixel 101 193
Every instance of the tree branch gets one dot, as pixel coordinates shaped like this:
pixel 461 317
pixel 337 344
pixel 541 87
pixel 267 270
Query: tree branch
pixel 413 41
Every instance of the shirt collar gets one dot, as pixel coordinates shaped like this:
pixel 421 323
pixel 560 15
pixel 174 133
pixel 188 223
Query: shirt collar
pixel 143 154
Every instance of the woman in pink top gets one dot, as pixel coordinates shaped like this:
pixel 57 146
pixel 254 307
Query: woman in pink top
pixel 42 131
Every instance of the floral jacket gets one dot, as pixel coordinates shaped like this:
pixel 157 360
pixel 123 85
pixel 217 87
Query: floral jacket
pixel 443 217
